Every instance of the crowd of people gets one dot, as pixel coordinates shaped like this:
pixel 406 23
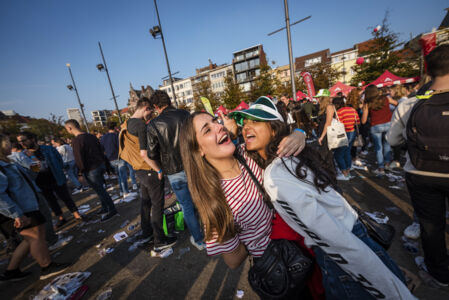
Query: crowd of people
pixel 270 172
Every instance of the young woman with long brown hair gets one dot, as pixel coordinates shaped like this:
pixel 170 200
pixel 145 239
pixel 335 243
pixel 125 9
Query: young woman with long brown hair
pixel 377 107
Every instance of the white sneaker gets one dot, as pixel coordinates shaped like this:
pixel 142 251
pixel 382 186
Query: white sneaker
pixel 379 172
pixel 60 243
pixel 413 231
pixel 425 275
pixel 364 152
pixel 77 191
pixel 342 177
pixel 135 187
pixel 200 247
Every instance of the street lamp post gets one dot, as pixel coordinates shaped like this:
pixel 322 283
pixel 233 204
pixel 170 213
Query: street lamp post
pixel 73 87
pixel 155 31
pixel 344 71
pixel 100 67
pixel 290 54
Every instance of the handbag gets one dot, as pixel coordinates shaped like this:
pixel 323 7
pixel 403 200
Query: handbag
pixel 383 234
pixel 358 142
pixel 281 272
pixel 336 134
pixel 283 268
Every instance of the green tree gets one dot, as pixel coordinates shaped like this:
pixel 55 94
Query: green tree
pixel 382 55
pixel 323 75
pixel 204 89
pixel 265 84
pixel 233 93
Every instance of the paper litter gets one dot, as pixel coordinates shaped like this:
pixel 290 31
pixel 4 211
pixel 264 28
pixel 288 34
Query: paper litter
pixel 100 231
pixel 63 286
pixel 379 217
pixel 103 252
pixel 120 236
pixel 163 254
pixel 84 208
pixel 395 187
pixel 106 294
pixel 124 223
pixel 239 294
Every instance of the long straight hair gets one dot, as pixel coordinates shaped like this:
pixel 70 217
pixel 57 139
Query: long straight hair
pixel 205 187
pixel 374 97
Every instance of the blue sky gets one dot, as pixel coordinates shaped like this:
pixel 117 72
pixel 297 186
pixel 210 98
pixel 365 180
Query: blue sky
pixel 37 39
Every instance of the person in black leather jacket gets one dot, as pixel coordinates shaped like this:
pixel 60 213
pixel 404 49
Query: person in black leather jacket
pixel 163 146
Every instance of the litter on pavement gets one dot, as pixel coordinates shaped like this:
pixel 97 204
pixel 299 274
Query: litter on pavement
pixel 106 294
pixel 63 286
pixel 379 217
pixel 240 294
pixel 182 251
pixel 124 223
pixel 120 236
pixel 84 208
pixel 163 254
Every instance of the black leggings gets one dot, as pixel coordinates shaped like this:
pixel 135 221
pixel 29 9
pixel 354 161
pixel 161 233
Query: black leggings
pixel 63 194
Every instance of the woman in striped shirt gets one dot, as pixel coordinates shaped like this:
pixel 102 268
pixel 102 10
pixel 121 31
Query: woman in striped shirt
pixel 349 117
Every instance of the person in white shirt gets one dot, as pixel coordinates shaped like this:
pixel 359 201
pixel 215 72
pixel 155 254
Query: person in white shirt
pixel 303 192
pixel 68 158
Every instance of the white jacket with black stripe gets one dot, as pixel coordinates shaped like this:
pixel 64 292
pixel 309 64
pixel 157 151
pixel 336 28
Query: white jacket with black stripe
pixel 326 220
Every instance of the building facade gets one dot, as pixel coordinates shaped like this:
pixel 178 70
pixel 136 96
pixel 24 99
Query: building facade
pixel 74 113
pixel 136 95
pixel 246 65
pixel 100 117
pixel 303 62
pixel 343 61
pixel 217 78
pixel 183 90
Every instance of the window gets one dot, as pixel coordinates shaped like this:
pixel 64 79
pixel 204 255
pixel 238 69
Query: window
pixel 241 66
pixel 241 77
pixel 239 57
pixel 257 72
pixel 312 61
pixel 253 63
pixel 246 86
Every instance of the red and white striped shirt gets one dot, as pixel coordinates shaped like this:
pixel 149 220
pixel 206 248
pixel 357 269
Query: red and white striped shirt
pixel 250 213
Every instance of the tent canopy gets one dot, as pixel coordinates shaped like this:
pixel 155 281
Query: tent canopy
pixel 340 87
pixel 388 78
pixel 241 106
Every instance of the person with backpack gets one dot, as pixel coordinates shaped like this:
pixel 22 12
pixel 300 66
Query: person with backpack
pixel 133 149
pixel 423 122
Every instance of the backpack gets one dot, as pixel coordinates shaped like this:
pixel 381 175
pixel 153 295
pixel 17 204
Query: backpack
pixel 428 132
pixel 129 149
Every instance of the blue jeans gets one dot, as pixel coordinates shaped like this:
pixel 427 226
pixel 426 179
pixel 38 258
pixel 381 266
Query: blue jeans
pixel 120 169
pixel 382 147
pixel 95 179
pixel 340 285
pixel 132 173
pixel 343 154
pixel 72 172
pixel 178 183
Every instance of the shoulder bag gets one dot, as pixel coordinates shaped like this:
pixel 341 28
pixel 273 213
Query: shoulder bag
pixel 283 269
pixel 336 133
pixel 358 142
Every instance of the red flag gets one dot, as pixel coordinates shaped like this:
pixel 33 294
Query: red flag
pixel 428 43
pixel 308 80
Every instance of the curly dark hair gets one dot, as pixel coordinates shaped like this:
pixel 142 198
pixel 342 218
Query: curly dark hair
pixel 308 159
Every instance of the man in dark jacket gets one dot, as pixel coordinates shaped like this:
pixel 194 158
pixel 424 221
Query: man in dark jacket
pixel 163 146
pixel 89 159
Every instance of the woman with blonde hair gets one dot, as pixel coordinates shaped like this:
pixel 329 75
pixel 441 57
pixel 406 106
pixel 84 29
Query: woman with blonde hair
pixel 376 106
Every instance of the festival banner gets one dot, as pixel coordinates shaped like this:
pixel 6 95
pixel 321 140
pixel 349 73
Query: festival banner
pixel 207 105
pixel 309 82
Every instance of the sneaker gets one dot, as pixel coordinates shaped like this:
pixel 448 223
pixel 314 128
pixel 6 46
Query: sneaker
pixel 13 275
pixel 135 187
pixel 53 269
pixel 166 243
pixel 379 172
pixel 60 222
pixel 364 152
pixel 342 177
pixel 200 246
pixel 110 188
pixel 394 164
pixel 108 216
pixel 425 275
pixel 77 191
pixel 357 162
pixel 61 242
pixel 413 231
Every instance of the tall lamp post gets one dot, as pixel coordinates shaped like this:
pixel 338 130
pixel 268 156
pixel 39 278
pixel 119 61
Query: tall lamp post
pixel 155 31
pixel 100 67
pixel 73 87
pixel 344 70
pixel 289 44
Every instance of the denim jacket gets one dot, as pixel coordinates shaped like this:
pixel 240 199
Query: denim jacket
pixel 55 163
pixel 16 195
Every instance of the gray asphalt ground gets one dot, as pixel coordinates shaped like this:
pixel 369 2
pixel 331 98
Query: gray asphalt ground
pixel 189 273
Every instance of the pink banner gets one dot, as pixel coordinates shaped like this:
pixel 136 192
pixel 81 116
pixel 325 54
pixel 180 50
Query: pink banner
pixel 309 82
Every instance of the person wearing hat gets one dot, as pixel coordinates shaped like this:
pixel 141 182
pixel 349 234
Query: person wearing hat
pixel 324 119
pixel 302 191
